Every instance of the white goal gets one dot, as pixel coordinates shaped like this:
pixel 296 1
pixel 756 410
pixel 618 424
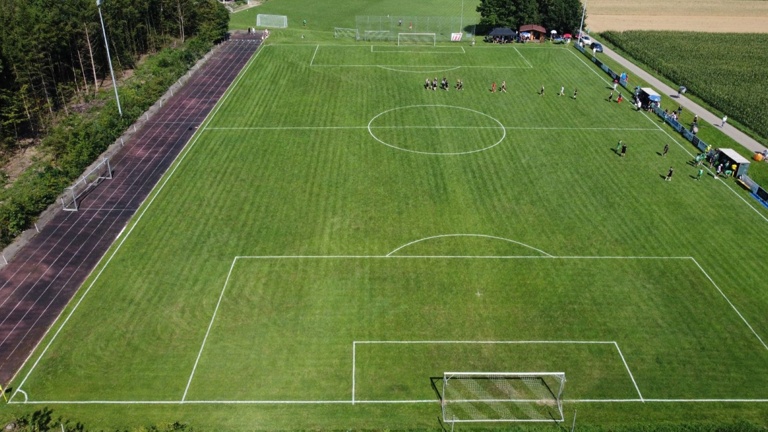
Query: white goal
pixel 99 172
pixel 416 39
pixel 341 32
pixel 271 21
pixel 502 396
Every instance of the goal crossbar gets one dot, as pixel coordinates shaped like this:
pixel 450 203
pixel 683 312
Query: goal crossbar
pixel 502 396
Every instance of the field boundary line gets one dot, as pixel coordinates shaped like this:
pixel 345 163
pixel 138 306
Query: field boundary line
pixel 730 303
pixel 349 402
pixel 602 78
pixel 755 209
pixel 135 220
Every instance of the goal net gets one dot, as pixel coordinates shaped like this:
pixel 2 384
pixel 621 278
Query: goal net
pixel 340 32
pixel 376 35
pixel 272 21
pixel 101 171
pixel 502 397
pixel 416 39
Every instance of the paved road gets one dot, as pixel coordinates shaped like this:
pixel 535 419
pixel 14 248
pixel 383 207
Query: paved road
pixel 737 135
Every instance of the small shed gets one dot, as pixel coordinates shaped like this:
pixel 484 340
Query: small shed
pixel 537 32
pixel 729 158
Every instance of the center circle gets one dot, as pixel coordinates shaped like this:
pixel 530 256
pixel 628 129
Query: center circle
pixel 437 129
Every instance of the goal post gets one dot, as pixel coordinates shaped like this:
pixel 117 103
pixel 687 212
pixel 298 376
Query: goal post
pixel 502 396
pixel 429 39
pixel 271 21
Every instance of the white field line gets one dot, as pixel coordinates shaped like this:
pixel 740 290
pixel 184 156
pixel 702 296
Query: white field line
pixel 623 360
pixel 599 75
pixel 405 51
pixel 730 303
pixel 176 163
pixel 468 235
pixel 530 66
pixel 675 140
pixel 278 128
pixel 208 331
pixel 443 67
pixel 313 56
pixel 348 402
pixel 483 342
pixel 710 171
pixel 354 357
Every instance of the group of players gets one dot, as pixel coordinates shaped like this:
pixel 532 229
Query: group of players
pixel 432 85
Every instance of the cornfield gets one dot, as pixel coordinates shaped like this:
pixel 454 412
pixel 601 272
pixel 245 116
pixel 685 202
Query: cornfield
pixel 726 70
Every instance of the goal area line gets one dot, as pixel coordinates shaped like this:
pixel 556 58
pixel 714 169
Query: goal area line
pixel 470 342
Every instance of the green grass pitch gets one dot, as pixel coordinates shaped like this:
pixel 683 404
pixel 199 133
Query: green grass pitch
pixel 335 237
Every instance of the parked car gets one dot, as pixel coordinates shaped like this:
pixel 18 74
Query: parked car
pixel 585 41
pixel 596 47
pixel 558 40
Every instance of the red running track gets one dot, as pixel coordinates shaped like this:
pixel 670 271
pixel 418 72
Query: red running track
pixel 46 273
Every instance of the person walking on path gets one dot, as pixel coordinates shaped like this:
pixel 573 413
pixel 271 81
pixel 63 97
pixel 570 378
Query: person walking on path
pixel 725 119
pixel 666 150
pixel 669 174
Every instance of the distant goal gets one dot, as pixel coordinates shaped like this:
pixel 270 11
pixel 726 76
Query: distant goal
pixel 424 39
pixel 341 32
pixel 271 21
pixel 503 397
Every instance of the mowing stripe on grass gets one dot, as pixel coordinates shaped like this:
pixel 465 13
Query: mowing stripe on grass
pixel 179 159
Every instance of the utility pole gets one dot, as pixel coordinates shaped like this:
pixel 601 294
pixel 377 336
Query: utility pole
pixel 109 59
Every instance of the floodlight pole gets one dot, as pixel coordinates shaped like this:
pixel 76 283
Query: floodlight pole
pixel 581 26
pixel 109 58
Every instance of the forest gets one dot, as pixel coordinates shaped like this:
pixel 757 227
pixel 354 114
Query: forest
pixel 561 15
pixel 56 93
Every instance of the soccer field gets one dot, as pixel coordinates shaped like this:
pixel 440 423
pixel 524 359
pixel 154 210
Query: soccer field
pixel 335 238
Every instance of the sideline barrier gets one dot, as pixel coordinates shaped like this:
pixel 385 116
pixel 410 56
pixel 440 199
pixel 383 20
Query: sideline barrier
pixel 757 191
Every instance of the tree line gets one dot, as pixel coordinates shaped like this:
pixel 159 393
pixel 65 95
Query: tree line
pixel 52 52
pixel 561 15
pixel 53 78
